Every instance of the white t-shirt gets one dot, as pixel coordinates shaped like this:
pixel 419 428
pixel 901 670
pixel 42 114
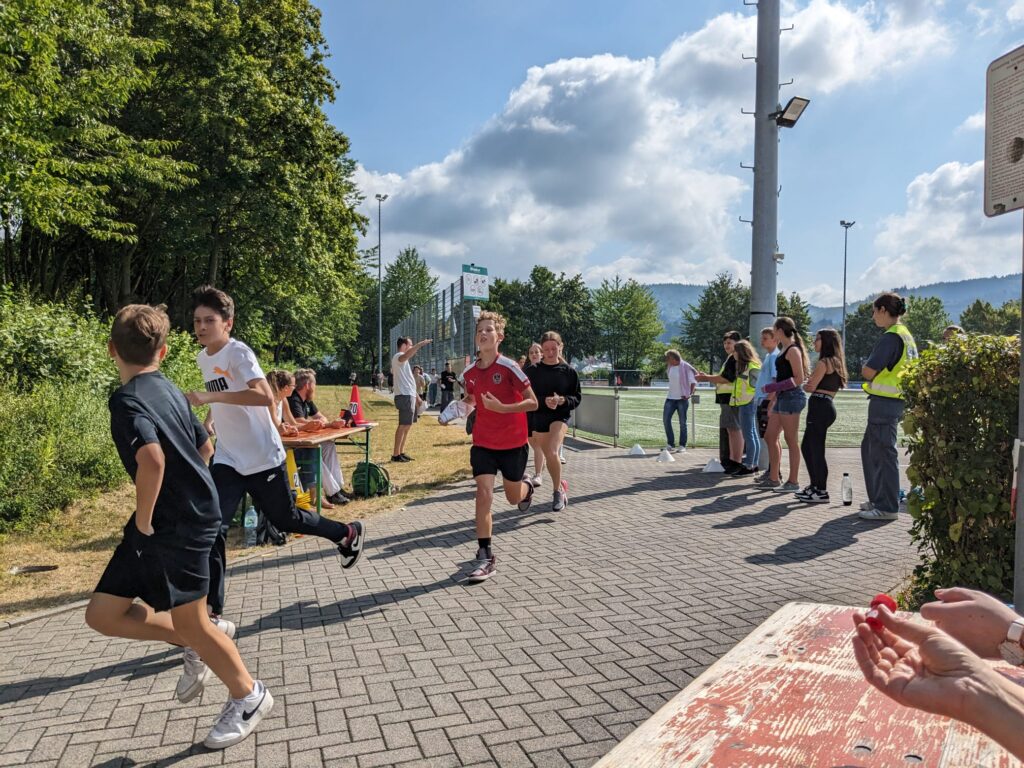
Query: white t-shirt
pixel 247 440
pixel 405 381
pixel 681 379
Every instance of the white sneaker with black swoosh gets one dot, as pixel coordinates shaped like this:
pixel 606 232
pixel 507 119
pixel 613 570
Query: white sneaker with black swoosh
pixel 240 717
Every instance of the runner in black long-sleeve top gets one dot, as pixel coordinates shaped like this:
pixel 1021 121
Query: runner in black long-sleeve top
pixel 557 388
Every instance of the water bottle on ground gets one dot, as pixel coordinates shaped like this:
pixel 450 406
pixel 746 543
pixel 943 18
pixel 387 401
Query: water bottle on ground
pixel 847 490
pixel 249 522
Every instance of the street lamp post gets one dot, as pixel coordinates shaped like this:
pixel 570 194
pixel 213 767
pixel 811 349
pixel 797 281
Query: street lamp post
pixel 846 232
pixel 380 315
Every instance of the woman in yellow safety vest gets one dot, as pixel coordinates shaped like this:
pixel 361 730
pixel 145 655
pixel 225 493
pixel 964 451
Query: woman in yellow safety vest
pixel 883 372
pixel 748 366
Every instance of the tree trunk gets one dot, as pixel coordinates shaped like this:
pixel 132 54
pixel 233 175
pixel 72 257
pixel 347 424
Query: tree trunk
pixel 125 269
pixel 213 269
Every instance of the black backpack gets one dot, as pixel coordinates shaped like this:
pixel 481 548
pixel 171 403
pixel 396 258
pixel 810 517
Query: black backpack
pixel 267 532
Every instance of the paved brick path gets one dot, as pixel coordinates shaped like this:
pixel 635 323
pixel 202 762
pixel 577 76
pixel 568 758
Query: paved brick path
pixel 597 616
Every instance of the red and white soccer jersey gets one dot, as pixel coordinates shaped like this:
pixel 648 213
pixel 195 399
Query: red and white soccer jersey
pixel 507 382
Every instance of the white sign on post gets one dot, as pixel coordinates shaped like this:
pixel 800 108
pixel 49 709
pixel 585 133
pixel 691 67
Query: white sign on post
pixel 474 283
pixel 1004 134
pixel 1004 192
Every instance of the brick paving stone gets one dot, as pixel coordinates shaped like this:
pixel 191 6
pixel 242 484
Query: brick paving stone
pixel 567 650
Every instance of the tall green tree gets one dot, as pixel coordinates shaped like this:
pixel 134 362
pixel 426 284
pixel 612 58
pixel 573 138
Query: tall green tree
pixel 723 306
pixel 798 310
pixel 67 70
pixel 407 284
pixel 926 319
pixel 546 302
pixel 982 317
pixel 627 319
pixel 861 335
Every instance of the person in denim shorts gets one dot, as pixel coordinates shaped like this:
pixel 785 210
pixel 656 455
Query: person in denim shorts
pixel 789 399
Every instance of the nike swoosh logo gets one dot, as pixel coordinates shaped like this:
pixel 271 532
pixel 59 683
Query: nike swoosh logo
pixel 134 441
pixel 271 476
pixel 251 712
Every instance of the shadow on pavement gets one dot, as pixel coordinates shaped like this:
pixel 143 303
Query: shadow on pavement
pixel 833 535
pixel 770 514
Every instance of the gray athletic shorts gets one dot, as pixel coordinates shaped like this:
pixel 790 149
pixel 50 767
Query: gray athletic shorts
pixel 406 405
pixel 729 418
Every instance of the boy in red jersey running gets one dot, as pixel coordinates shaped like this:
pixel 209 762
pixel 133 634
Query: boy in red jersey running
pixel 502 394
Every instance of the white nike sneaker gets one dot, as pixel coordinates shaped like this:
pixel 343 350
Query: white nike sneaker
pixel 240 717
pixel 193 677
pixel 196 673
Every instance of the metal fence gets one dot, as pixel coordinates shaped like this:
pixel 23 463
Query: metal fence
pixel 447 319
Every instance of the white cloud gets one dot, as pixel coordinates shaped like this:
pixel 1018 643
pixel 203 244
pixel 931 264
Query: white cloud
pixel 975 122
pixel 1015 13
pixel 823 295
pixel 943 234
pixel 616 166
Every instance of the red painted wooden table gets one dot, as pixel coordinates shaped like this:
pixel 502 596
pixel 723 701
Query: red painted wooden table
pixel 791 694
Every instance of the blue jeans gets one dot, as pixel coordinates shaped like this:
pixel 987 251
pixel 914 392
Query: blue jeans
pixel 682 405
pixel 751 440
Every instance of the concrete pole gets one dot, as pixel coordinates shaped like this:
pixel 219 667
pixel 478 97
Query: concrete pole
pixel 763 290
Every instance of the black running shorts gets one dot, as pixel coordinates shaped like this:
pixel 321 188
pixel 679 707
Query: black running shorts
pixel 510 463
pixel 163 574
pixel 542 423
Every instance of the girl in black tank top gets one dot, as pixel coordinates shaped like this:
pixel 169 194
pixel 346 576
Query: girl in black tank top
pixel 784 368
pixel 828 377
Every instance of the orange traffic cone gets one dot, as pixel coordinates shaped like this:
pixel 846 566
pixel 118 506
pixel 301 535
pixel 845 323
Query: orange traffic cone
pixel 355 407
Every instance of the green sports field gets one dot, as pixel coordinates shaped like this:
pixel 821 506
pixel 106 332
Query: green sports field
pixel 640 418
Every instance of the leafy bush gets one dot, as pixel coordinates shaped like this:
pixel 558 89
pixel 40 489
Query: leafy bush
pixel 55 378
pixel 960 423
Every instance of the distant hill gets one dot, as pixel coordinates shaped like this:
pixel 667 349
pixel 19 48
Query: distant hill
pixel 956 297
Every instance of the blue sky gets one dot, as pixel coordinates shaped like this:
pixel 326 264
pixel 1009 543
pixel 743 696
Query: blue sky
pixel 606 137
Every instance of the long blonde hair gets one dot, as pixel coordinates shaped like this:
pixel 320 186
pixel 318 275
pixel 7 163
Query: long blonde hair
pixel 745 354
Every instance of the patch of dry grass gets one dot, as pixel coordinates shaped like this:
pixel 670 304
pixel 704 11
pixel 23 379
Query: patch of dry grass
pixel 81 538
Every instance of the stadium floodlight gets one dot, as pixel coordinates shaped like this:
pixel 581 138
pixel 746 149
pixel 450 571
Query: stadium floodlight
pixel 788 115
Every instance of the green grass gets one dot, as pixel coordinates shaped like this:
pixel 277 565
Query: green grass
pixel 640 418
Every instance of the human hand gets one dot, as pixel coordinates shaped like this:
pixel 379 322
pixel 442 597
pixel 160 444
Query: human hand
pixel 146 530
pixel 921 666
pixel 337 424
pixel 491 403
pixel 977 620
pixel 311 426
pixel 287 430
pixel 553 401
pixel 197 398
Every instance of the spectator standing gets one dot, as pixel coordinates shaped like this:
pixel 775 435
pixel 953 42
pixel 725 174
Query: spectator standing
pixel 432 389
pixel 407 394
pixel 764 402
pixel 682 381
pixel 729 416
pixel 827 378
pixel 748 366
pixel 883 372
pixel 447 385
pixel 790 399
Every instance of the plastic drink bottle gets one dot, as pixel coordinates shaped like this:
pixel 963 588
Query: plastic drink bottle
pixel 847 491
pixel 249 522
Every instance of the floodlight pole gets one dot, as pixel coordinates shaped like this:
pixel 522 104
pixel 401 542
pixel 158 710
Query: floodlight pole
pixel 380 303
pixel 846 231
pixel 764 239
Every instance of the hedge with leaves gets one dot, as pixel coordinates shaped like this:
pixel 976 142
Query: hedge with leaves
pixel 55 378
pixel 960 423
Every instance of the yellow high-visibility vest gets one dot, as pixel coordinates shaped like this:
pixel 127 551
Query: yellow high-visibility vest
pixel 745 386
pixel 887 381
